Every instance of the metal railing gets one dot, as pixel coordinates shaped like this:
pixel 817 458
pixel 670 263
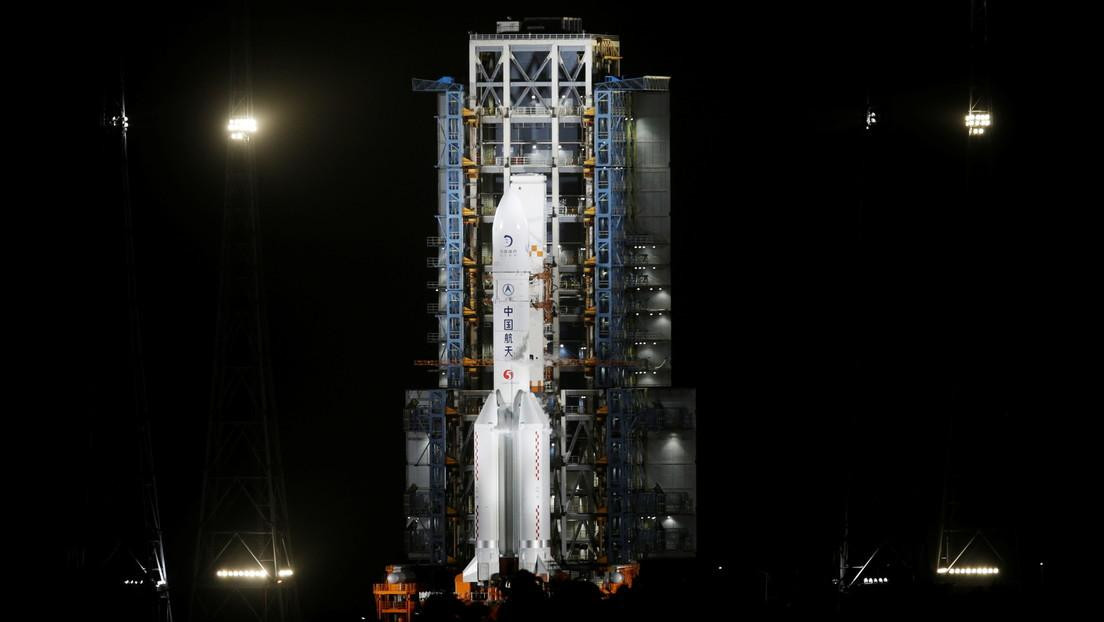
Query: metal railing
pixel 568 258
pixel 642 83
pixel 531 111
pixel 516 36
pixel 584 457
pixel 572 205
pixel 525 160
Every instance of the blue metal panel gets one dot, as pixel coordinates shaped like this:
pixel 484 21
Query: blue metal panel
pixel 609 230
pixel 436 430
pixel 611 106
pixel 620 449
pixel 454 236
pixel 451 222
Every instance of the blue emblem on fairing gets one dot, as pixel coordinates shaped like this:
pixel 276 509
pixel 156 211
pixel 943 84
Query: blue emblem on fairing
pixel 508 289
pixel 509 240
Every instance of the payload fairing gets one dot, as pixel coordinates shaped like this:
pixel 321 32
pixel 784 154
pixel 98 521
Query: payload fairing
pixel 512 432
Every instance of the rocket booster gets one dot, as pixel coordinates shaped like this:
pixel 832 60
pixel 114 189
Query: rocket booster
pixel 511 435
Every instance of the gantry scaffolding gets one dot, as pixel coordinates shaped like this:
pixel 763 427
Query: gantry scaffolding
pixel 623 477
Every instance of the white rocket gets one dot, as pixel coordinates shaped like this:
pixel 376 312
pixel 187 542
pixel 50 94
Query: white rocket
pixel 512 431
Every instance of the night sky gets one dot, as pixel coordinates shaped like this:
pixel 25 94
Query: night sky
pixel 837 296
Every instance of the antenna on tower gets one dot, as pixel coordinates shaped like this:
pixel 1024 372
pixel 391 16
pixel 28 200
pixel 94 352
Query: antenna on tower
pixel 151 571
pixel 979 111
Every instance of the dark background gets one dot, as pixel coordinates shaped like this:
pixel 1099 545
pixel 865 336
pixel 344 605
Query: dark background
pixel 838 296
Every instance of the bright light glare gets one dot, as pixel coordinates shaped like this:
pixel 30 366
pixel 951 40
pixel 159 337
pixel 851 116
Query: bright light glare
pixel 241 128
pixel 242 574
pixel 286 572
pixel 976 122
pixel 982 570
pixel 242 124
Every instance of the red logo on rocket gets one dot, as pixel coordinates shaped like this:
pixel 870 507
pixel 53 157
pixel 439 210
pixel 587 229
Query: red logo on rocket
pixel 508 374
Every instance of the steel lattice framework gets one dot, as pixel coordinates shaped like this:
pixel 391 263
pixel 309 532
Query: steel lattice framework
pixel 547 104
pixel 243 564
pixel 621 435
pixel 451 223
pixel 426 416
pixel 612 103
pixel 149 555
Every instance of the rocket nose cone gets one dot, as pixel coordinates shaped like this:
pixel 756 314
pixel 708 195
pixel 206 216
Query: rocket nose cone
pixel 510 232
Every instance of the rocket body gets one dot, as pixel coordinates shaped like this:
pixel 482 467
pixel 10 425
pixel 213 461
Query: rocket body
pixel 511 435
pixel 511 271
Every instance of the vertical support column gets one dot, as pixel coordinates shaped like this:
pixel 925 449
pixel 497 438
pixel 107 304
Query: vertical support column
pixel 436 432
pixel 620 427
pixel 243 517
pixel 507 148
pixel 609 173
pixel 554 55
pixel 588 64
pixel 473 76
pixel 453 226
pixel 559 429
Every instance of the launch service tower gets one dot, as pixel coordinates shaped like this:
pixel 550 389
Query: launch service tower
pixel 551 437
